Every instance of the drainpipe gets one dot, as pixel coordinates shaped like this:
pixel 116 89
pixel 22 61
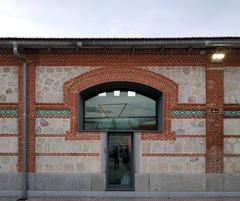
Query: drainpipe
pixel 24 127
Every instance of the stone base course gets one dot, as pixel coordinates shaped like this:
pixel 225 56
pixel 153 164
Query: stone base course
pixel 171 182
pixel 178 164
pixel 177 182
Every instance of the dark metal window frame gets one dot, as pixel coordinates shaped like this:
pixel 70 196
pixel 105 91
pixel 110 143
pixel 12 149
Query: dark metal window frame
pixel 122 85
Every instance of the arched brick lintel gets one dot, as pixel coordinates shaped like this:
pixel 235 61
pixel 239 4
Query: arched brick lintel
pixel 73 87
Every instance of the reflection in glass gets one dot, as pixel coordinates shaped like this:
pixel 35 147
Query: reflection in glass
pixel 119 160
pixel 120 110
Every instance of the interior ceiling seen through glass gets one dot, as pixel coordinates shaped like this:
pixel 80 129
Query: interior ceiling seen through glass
pixel 120 110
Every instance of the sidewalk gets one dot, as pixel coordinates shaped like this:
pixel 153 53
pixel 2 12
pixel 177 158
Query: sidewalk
pixel 139 199
pixel 126 199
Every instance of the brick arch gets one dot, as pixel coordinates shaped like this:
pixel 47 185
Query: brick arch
pixel 73 87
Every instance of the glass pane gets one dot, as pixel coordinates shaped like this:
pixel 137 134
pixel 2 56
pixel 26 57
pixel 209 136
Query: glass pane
pixel 120 160
pixel 120 110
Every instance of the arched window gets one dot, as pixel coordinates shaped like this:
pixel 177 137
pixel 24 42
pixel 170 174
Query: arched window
pixel 120 110
pixel 120 106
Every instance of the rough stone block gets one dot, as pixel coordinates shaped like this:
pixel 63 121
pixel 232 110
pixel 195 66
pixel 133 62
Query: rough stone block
pixel 9 145
pixel 189 126
pixel 50 80
pixel 8 163
pixel 8 125
pixel 231 80
pixel 9 84
pixel 191 81
pixel 52 126
pixel 231 126
pixel 68 164
pixel 162 165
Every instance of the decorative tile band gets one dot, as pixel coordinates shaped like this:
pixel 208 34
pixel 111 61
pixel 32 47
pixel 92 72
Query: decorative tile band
pixel 201 113
pixel 177 113
pixel 8 113
pixel 184 113
pixel 51 113
pixel 232 113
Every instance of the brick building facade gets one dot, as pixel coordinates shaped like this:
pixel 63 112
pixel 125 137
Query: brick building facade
pixel 195 146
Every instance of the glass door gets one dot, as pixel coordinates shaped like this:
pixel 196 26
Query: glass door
pixel 120 161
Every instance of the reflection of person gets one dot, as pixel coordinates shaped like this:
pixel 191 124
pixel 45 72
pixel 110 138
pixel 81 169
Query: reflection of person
pixel 116 159
pixel 126 179
pixel 125 155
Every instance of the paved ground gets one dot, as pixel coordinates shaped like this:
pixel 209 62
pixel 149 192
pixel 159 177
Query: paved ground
pixel 125 199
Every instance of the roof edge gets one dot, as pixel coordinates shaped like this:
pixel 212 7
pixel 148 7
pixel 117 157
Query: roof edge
pixel 115 43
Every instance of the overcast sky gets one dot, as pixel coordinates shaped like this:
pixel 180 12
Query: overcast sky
pixel 119 18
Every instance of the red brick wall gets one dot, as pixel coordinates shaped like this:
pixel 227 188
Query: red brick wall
pixel 125 64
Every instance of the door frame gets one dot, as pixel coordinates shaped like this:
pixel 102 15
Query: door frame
pixel 119 187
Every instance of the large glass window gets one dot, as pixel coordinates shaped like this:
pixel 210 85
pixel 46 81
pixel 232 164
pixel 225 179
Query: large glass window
pixel 120 110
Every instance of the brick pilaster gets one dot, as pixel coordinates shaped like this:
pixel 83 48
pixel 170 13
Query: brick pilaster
pixel 214 119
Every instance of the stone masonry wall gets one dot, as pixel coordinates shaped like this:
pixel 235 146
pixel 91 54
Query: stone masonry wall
pixel 49 89
pixel 8 124
pixel 49 81
pixel 55 154
pixel 232 125
pixel 9 84
pixel 185 155
pixel 231 85
pixel 232 145
pixel 54 150
pixel 191 81
pixel 8 144
pixel 52 126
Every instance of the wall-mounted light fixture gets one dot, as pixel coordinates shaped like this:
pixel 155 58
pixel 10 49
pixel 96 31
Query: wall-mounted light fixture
pixel 218 57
